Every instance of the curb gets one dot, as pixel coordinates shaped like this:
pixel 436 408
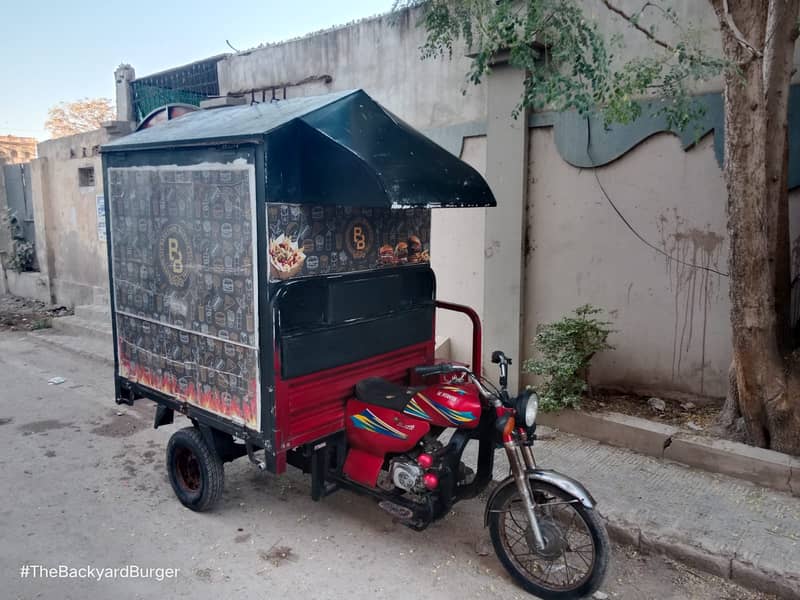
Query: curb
pixel 716 561
pixel 757 465
pixel 73 344
pixel 763 578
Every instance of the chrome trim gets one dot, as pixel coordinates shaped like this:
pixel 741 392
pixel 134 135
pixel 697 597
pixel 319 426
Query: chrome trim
pixel 525 492
pixel 567 484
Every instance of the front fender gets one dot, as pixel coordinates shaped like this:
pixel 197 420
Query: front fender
pixel 565 484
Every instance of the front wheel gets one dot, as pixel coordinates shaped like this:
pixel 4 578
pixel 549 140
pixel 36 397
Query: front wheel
pixel 572 563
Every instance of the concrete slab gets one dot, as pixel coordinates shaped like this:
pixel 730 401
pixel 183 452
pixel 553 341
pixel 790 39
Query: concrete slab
pixel 93 348
pixel 77 326
pixel 94 312
pixel 614 428
pixel 705 519
pixel 31 285
pixel 758 465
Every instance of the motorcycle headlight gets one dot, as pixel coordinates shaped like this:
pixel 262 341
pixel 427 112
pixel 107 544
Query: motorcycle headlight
pixel 527 407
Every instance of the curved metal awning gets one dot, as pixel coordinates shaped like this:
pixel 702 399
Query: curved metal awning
pixel 342 149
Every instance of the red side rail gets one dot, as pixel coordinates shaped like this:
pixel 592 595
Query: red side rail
pixel 477 335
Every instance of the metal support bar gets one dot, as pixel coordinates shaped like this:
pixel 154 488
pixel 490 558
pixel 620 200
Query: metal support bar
pixel 477 332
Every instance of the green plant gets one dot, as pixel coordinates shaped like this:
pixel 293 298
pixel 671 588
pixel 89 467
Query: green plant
pixel 565 350
pixel 45 323
pixel 23 257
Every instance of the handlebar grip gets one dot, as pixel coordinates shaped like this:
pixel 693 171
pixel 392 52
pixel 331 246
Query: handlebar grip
pixel 433 370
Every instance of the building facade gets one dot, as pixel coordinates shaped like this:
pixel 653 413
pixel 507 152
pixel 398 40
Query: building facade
pixel 629 219
pixel 16 150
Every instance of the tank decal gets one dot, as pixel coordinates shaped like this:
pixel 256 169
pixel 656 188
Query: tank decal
pixel 366 419
pixel 414 409
pixel 456 417
pixel 457 390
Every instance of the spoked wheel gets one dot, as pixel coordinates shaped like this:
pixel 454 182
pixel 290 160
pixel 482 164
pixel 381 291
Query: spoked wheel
pixel 195 470
pixel 575 556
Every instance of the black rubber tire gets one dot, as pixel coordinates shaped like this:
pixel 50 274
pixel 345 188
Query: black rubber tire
pixel 200 489
pixel 596 529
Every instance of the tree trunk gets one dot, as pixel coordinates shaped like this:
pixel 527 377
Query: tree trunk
pixel 756 164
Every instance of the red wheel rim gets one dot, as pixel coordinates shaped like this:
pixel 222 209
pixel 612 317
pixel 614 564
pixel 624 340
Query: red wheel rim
pixel 187 470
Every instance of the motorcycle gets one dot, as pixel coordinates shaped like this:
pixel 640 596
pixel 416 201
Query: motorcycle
pixel 543 525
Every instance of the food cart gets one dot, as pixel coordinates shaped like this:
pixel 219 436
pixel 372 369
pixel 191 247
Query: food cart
pixel 270 280
pixel 265 258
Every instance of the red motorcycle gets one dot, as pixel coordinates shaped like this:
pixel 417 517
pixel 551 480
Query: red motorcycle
pixel 543 524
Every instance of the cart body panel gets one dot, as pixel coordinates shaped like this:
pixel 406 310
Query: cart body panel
pixel 265 259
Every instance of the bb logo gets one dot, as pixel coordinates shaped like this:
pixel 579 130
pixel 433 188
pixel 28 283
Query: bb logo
pixel 359 238
pixel 175 255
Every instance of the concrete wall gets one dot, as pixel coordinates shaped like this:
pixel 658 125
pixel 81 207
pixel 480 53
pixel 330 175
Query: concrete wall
pixel 671 319
pixel 380 55
pixel 76 260
pixel 457 259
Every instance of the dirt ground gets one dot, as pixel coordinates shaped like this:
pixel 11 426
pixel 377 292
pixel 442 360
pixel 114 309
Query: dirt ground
pixel 83 482
pixel 684 413
pixel 21 314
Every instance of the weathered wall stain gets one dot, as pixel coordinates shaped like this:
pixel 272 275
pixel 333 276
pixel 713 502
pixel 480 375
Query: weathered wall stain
pixel 692 252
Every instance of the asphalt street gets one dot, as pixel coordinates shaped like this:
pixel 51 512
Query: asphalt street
pixel 83 484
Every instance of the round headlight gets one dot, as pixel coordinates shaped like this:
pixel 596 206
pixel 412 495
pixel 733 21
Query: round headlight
pixel 528 407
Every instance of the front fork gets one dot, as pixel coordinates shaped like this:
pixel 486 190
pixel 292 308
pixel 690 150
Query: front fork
pixel 520 458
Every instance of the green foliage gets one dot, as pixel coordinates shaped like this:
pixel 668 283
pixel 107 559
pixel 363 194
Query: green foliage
pixel 39 324
pixel 23 257
pixel 570 63
pixel 565 350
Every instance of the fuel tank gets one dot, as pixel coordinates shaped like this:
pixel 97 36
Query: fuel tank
pixel 447 405
pixel 382 430
pixel 372 433
pixel 375 431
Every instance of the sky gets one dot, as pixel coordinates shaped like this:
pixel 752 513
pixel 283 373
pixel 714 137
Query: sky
pixel 59 51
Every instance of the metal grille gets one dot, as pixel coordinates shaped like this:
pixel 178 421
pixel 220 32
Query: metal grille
pixel 188 84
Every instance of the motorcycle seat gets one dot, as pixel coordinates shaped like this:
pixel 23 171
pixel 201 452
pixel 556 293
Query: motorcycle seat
pixel 380 392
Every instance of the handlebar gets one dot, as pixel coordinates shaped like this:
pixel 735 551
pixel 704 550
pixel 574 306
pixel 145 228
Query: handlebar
pixel 445 368
pixel 441 369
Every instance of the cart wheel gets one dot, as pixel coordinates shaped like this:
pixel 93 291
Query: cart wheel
pixel 195 470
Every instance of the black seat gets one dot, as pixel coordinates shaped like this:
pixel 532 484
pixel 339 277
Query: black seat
pixel 379 392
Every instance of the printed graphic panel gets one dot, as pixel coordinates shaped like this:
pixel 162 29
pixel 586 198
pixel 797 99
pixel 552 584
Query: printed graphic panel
pixel 185 281
pixel 316 240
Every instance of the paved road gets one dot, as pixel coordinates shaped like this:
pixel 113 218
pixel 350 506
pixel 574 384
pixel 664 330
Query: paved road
pixel 82 482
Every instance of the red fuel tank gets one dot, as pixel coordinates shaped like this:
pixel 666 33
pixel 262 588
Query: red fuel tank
pixel 375 431
pixel 447 405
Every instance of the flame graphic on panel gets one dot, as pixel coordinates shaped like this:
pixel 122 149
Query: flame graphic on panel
pixel 233 406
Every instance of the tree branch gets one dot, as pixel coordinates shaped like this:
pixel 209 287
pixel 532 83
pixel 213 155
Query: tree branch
pixel 737 32
pixel 634 22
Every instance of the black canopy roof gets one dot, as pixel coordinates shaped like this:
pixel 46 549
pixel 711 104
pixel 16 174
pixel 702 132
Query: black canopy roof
pixel 341 148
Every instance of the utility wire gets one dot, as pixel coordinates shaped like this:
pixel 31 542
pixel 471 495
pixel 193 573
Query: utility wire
pixel 627 223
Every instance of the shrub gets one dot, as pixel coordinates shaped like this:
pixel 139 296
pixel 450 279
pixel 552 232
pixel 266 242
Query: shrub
pixel 23 257
pixel 565 349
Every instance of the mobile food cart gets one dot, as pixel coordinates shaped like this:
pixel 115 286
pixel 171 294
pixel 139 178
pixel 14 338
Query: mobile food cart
pixel 270 280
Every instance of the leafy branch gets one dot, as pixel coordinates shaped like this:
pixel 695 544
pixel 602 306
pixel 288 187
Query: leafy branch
pixel 565 350
pixel 570 63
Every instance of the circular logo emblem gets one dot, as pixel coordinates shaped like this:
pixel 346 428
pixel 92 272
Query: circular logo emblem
pixel 359 238
pixel 175 254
